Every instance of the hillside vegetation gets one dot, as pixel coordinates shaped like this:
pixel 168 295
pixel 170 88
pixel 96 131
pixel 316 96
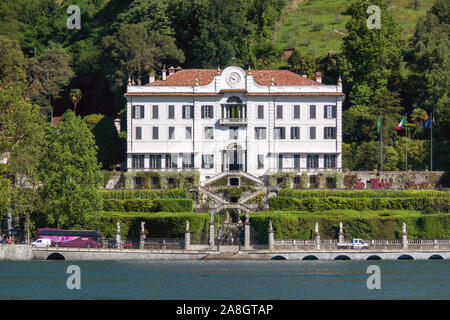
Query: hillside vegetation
pixel 318 26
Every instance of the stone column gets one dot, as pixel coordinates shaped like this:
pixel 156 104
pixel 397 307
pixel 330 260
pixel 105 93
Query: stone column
pixel 341 233
pixel 211 230
pixel 187 237
pixel 404 237
pixel 247 232
pixel 118 236
pixel 142 236
pixel 317 237
pixel 271 237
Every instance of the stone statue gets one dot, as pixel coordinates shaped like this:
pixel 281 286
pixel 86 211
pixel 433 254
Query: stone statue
pixel 118 227
pixel 270 224
pixel 404 228
pixel 247 217
pixel 316 230
pixel 187 225
pixel 341 227
pixel 142 226
pixel 211 217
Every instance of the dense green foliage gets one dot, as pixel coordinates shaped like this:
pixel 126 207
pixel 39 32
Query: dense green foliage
pixel 147 205
pixel 366 225
pixel 300 194
pixel 159 225
pixel 428 204
pixel 144 194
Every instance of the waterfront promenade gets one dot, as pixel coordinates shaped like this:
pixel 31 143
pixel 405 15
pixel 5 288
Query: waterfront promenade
pixel 28 253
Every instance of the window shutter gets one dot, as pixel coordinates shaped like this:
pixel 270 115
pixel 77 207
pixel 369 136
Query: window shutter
pixel 334 111
pixel 325 114
pixel 184 112
pixel 142 112
pixel 203 112
pixel 192 112
pixel 325 133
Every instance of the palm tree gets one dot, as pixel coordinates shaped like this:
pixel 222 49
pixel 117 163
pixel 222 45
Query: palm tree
pixel 76 96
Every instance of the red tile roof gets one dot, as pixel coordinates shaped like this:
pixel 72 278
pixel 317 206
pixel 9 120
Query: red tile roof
pixel 188 77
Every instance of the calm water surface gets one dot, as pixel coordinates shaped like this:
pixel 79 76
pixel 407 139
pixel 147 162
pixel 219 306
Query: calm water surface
pixel 225 280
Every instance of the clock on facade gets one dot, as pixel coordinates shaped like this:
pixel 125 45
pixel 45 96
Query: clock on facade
pixel 233 79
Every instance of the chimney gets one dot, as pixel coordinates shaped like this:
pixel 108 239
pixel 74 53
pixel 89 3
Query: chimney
pixel 178 69
pixel 151 77
pixel 164 73
pixel 117 124
pixel 319 77
pixel 171 70
pixel 305 76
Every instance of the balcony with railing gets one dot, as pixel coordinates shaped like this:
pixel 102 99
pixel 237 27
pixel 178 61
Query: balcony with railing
pixel 233 114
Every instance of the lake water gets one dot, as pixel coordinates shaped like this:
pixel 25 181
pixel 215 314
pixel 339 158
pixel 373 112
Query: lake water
pixel 225 280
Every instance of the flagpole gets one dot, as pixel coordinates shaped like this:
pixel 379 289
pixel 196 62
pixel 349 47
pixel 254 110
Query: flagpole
pixel 381 143
pixel 406 127
pixel 431 134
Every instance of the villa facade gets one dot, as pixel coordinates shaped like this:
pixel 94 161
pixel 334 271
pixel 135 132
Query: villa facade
pixel 228 120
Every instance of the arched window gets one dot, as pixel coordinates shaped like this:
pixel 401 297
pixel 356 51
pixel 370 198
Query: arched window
pixel 234 99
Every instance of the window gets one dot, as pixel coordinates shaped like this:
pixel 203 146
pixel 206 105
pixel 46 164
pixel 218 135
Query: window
pixel 138 161
pixel 297 112
pixel 279 133
pixel 312 133
pixel 234 133
pixel 155 131
pixel 209 133
pixel 260 133
pixel 207 112
pixel 138 112
pixel 188 112
pixel 297 180
pixel 188 133
pixel 208 161
pixel 155 112
pixel 279 112
pixel 312 111
pixel 330 161
pixel 171 160
pixel 312 161
pixel 280 161
pixel 296 161
pixel 329 112
pixel 171 133
pixel 260 112
pixel 260 161
pixel 295 133
pixel 138 182
pixel 171 112
pixel 138 133
pixel 329 132
pixel 155 161
pixel 188 160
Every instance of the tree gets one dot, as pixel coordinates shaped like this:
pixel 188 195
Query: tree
pixel 70 173
pixel 370 57
pixel 76 96
pixel 303 64
pixel 135 52
pixel 12 62
pixel 49 73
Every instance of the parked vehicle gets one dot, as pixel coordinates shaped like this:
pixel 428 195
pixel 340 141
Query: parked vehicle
pixel 71 238
pixel 42 243
pixel 355 244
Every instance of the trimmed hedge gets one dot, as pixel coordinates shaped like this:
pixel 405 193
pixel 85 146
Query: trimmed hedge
pixel 147 205
pixel 159 225
pixel 365 225
pixel 295 193
pixel 144 194
pixel 360 204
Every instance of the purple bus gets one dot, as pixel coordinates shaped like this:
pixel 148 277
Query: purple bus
pixel 71 238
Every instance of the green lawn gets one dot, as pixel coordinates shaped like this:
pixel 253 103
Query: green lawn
pixel 312 26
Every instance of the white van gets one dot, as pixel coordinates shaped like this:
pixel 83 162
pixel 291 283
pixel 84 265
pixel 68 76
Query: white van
pixel 359 244
pixel 42 243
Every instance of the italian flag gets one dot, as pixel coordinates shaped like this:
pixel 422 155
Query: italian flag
pixel 402 124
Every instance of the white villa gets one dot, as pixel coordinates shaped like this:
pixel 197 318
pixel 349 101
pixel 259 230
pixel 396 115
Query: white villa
pixel 227 120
